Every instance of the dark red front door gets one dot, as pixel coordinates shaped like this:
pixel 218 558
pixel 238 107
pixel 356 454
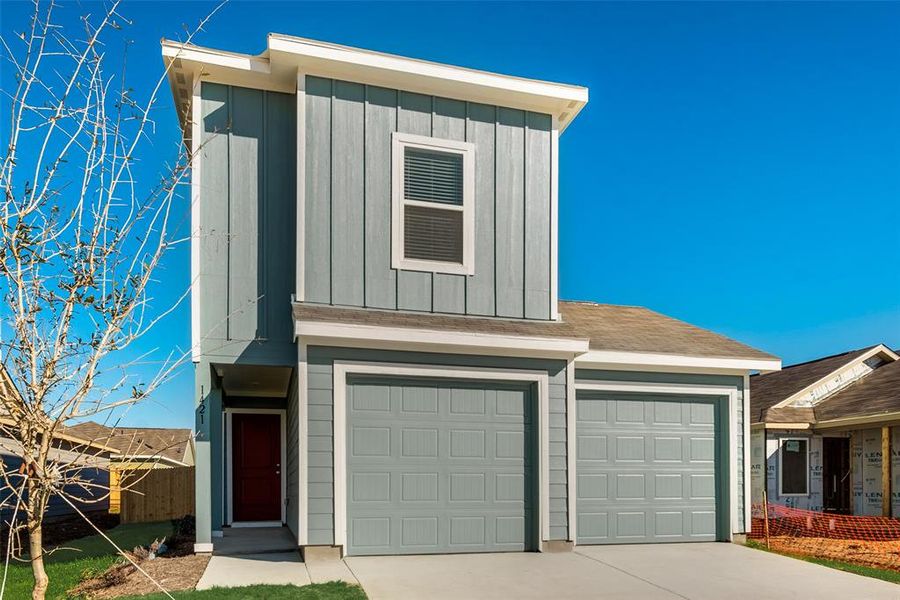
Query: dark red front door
pixel 256 464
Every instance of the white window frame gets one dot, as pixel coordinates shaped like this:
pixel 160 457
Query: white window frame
pixel 781 442
pixel 399 143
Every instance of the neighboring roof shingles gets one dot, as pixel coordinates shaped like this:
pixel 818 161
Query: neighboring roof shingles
pixel 136 441
pixel 769 389
pixel 876 393
pixel 607 326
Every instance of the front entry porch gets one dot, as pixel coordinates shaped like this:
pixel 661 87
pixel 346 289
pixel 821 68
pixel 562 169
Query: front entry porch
pixel 254 540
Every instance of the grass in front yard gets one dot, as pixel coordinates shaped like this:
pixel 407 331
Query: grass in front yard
pixel 333 590
pixel 82 558
pixel 883 574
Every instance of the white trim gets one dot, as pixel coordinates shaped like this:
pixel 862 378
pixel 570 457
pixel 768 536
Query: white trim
pixel 745 474
pixel 302 450
pixel 402 338
pixel 247 524
pixel 618 360
pixel 196 138
pixel 689 389
pixel 148 458
pixel 785 425
pixel 554 219
pixel 882 418
pixel 399 143
pixel 879 349
pixel 571 450
pixel 300 267
pixel 203 548
pixel 342 369
pixel 230 456
pixel 274 69
pixel 781 441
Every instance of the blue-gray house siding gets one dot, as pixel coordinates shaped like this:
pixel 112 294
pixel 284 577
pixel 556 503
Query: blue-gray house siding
pixel 247 224
pixel 347 242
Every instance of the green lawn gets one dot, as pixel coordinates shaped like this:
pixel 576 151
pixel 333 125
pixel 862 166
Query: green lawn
pixel 334 590
pixel 883 574
pixel 82 558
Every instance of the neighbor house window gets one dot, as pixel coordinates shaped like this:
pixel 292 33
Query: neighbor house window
pixel 794 463
pixel 433 218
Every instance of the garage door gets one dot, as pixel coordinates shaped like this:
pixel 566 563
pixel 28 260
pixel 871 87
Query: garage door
pixel 437 466
pixel 646 468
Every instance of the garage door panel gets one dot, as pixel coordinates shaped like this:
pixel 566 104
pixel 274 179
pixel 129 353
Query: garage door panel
pixel 458 473
pixel 646 474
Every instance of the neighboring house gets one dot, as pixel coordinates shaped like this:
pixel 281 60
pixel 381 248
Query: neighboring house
pixel 142 447
pixel 821 429
pixel 138 449
pixel 382 360
pixel 85 459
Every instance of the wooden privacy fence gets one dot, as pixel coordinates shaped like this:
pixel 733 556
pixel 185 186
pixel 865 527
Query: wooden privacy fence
pixel 157 495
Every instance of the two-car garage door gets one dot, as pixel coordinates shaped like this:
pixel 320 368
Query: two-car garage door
pixel 647 468
pixel 436 466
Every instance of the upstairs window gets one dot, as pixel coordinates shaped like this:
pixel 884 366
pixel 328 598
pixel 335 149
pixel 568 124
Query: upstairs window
pixel 433 218
pixel 794 467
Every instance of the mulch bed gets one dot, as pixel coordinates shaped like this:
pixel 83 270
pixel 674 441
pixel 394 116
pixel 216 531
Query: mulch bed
pixel 881 555
pixel 178 569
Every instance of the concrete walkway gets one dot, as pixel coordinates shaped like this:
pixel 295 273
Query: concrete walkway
pixel 274 568
pixel 660 571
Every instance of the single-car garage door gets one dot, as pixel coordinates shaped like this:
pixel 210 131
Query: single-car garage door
pixel 436 466
pixel 647 468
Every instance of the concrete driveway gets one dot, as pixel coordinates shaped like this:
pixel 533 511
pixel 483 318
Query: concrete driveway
pixel 661 571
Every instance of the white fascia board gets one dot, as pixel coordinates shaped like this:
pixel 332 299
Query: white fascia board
pixel 146 458
pixel 219 58
pixel 798 425
pixel 638 361
pixel 402 338
pixel 883 418
pixel 879 349
pixel 229 68
pixel 276 69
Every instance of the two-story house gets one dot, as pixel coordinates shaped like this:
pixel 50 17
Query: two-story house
pixel 383 365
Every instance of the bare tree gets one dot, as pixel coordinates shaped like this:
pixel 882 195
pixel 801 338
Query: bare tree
pixel 82 238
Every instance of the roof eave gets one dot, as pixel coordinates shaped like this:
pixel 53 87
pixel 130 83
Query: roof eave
pixel 614 359
pixel 277 68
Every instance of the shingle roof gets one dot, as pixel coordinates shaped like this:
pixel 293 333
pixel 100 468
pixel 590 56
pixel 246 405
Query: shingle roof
pixel 606 326
pixel 876 393
pixel 639 329
pixel 137 441
pixel 769 389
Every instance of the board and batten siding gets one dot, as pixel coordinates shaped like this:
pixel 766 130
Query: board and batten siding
pixel 347 241
pixel 292 447
pixel 589 375
pixel 320 441
pixel 247 240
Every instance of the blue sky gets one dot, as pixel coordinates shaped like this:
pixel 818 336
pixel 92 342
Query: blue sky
pixel 737 166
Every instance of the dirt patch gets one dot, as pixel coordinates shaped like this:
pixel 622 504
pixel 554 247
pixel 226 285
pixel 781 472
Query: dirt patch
pixel 882 555
pixel 174 574
pixel 175 570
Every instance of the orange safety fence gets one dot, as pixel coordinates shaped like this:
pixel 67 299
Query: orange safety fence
pixel 796 522
pixel 870 541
